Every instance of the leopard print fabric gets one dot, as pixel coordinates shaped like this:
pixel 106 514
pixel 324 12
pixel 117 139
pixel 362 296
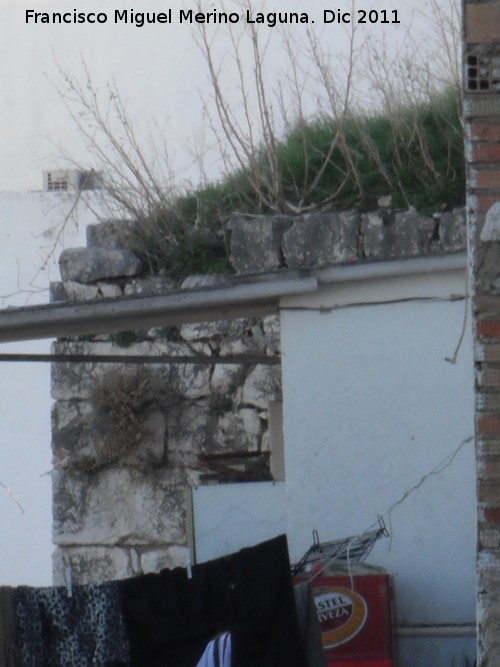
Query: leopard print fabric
pixel 84 630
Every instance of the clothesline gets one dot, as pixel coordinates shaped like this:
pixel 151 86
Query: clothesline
pixel 167 618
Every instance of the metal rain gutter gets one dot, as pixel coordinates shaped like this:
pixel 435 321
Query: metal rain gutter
pixel 250 299
pixel 392 269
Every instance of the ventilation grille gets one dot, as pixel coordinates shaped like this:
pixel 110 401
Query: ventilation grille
pixel 483 74
pixel 70 180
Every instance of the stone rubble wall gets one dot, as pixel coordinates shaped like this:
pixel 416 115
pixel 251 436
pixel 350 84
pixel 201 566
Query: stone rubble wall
pixel 126 438
pixel 315 240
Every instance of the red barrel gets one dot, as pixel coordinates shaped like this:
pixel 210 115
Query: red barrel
pixel 355 615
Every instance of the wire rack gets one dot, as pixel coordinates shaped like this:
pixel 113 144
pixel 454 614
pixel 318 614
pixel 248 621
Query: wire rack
pixel 352 549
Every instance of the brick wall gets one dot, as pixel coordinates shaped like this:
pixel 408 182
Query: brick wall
pixel 482 119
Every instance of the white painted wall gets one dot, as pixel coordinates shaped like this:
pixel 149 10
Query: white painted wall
pixel 374 418
pixel 228 517
pixel 29 249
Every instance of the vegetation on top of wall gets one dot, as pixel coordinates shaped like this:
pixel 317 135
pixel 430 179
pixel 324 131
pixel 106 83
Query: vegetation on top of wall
pixel 301 139
pixel 416 156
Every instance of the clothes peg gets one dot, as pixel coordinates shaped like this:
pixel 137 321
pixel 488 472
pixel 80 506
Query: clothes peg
pixel 69 580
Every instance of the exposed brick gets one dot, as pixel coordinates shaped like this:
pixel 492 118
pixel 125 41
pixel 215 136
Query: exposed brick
pixel 481 131
pixel 487 352
pixel 490 515
pixel 488 377
pixel 489 469
pixel 485 152
pixel 481 23
pixel 484 201
pixel 486 179
pixel 488 491
pixel 488 328
pixel 488 448
pixel 488 426
pixel 488 304
pixel 489 538
pixel 488 402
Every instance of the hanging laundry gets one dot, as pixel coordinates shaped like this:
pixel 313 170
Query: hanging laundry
pixel 218 652
pixel 85 629
pixel 171 618
pixel 9 652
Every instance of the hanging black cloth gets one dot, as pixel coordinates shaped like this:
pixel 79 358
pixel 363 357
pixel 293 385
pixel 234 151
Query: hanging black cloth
pixel 9 652
pixel 171 618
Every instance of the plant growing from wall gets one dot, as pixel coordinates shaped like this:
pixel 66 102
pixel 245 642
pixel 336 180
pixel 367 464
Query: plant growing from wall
pixel 120 400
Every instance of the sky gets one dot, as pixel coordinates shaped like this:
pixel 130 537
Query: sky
pixel 158 71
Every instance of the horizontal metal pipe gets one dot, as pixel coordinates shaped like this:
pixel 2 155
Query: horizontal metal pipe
pixel 416 631
pixel 245 360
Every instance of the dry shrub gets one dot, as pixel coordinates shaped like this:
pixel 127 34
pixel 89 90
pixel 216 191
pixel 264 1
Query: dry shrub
pixel 120 400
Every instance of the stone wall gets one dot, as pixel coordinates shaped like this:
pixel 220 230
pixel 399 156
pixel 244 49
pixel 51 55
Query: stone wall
pixel 269 243
pixel 129 439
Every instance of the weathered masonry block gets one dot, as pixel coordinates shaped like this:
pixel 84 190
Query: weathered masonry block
pixel 482 118
pixel 315 240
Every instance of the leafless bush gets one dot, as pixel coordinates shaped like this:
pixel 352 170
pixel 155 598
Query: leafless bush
pixel 120 400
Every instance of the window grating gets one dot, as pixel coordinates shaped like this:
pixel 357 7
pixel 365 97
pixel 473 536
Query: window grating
pixel 483 74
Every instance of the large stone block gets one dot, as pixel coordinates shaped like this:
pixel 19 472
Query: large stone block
pixel 90 564
pixel 190 381
pixel 377 236
pixel 109 290
pixel 82 441
pixel 453 230
pixel 72 437
pixel 237 431
pixel 247 344
pixel 199 281
pixel 271 326
pixel 262 385
pixel 187 433
pixel 407 234
pixel 225 378
pixel 256 242
pixel 112 234
pixel 88 265
pixel 151 286
pixel 216 329
pixel 119 506
pixel 321 239
pixel 171 557
pixel 415 234
pixel 75 380
pixel 72 291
